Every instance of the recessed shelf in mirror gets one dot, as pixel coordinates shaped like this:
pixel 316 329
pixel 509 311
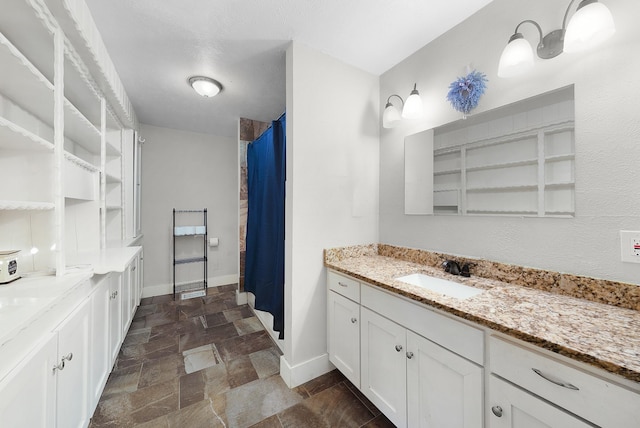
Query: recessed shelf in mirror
pixel 514 160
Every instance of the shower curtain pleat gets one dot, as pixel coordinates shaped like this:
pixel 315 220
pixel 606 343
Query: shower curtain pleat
pixel 264 266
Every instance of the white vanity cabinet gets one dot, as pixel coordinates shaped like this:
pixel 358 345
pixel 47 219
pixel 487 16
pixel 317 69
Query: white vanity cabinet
pixel 50 387
pixel 384 365
pixel 416 382
pixel 343 303
pixel 73 369
pixel 407 358
pixel 115 315
pixel 511 407
pixel 28 393
pixel 100 354
pixel 563 384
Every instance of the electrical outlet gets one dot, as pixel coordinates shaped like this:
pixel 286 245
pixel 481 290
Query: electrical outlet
pixel 630 246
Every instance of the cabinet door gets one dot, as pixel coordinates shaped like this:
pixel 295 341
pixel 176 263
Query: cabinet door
pixel 28 393
pixel 100 355
pixel 136 283
pixel 73 395
pixel 384 377
pixel 344 336
pixel 126 300
pixel 115 316
pixel 511 407
pixel 443 389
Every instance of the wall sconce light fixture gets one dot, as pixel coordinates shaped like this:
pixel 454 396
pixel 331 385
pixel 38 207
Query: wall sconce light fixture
pixel 205 86
pixel 590 25
pixel 411 109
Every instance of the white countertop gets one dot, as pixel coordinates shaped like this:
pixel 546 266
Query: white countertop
pixel 105 260
pixel 31 307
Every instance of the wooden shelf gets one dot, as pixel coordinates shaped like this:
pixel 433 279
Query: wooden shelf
pixel 14 137
pixel 502 188
pixel 559 158
pixel 112 179
pixel 80 130
pixel 23 83
pixel 563 185
pixel 26 205
pixel 503 212
pixel 447 172
pixel 81 162
pixel 503 165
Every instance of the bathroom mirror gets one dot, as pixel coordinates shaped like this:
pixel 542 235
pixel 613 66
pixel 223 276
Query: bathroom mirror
pixel 514 160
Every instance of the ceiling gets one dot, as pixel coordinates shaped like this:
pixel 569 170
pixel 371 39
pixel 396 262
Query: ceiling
pixel 157 45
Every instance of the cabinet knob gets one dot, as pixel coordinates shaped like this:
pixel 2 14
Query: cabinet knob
pixel 398 348
pixel 497 410
pixel 342 285
pixel 409 355
pixel 68 357
pixel 354 320
pixel 59 366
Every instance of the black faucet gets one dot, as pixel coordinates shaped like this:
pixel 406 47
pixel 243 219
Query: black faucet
pixel 451 267
pixel 454 268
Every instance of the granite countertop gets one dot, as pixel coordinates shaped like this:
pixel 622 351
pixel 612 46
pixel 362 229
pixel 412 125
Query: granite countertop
pixel 604 336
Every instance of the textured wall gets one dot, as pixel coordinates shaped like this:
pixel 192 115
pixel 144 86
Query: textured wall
pixel 332 185
pixel 607 136
pixel 187 170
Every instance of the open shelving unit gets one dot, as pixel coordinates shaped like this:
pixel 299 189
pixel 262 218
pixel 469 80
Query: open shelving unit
pixel 190 248
pixel 520 161
pixel 61 142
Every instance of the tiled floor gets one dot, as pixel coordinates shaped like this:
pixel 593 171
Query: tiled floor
pixel 207 362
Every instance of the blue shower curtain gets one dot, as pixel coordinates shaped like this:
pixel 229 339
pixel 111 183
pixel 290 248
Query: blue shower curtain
pixel 264 265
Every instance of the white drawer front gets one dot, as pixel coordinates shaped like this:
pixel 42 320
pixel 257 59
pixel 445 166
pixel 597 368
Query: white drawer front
pixel 460 338
pixel 349 288
pixel 582 393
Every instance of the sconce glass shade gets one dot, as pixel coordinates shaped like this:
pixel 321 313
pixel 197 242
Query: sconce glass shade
pixel 413 108
pixel 589 26
pixel 205 86
pixel 516 58
pixel 391 116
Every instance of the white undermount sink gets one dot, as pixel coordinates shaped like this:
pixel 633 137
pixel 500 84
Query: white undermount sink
pixel 439 285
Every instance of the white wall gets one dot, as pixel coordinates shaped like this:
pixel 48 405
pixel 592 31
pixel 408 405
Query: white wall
pixel 332 192
pixel 607 139
pixel 186 170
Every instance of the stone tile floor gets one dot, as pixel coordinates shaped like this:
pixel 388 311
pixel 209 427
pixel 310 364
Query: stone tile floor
pixel 207 362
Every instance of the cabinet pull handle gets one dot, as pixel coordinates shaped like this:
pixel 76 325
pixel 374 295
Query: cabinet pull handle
pixel 398 348
pixel 342 285
pixel 133 269
pixel 354 320
pixel 59 366
pixel 555 381
pixel 68 357
pixel 497 410
pixel 409 355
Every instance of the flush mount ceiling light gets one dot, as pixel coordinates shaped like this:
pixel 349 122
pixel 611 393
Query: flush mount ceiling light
pixel 591 24
pixel 205 86
pixel 411 109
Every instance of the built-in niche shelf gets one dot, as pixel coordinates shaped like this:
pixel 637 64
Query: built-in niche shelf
pixel 518 160
pixel 26 206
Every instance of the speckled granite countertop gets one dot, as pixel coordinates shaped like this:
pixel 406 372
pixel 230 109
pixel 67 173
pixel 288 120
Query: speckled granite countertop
pixel 605 336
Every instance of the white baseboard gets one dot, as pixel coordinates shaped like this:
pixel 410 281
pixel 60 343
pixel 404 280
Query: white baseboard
pixel 304 372
pixel 241 298
pixel 162 289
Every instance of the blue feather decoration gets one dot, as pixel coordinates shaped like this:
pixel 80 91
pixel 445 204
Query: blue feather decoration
pixel 465 92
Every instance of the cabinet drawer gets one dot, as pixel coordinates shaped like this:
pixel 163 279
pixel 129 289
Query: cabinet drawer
pixel 348 287
pixel 595 399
